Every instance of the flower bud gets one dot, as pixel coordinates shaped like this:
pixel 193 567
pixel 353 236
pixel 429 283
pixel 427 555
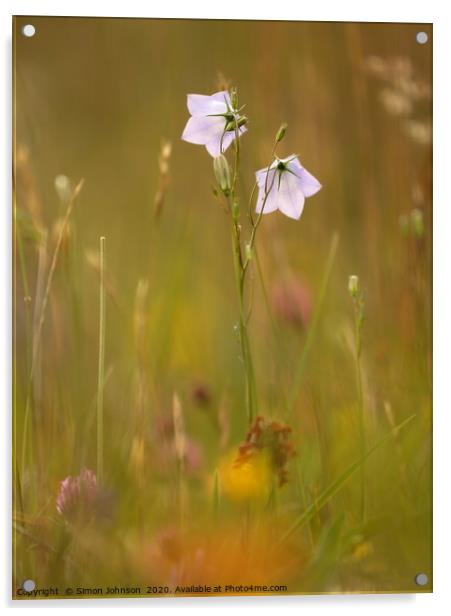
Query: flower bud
pixel 234 98
pixel 281 132
pixel 416 218
pixel 248 252
pixel 353 286
pixel 222 173
pixel 233 125
pixel 235 210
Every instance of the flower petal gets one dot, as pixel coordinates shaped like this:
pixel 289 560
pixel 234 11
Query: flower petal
pixel 202 130
pixel 271 186
pixel 222 96
pixel 310 185
pixel 214 145
pixel 271 201
pixel 290 196
pixel 260 176
pixel 201 105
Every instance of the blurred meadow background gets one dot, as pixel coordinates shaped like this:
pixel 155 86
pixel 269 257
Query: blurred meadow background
pixel 104 100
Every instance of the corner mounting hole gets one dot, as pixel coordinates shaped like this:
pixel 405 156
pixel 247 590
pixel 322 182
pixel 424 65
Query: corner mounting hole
pixel 29 30
pixel 29 585
pixel 421 579
pixel 422 38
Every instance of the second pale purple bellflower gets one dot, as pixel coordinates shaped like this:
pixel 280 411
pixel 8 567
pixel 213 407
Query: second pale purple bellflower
pixel 284 186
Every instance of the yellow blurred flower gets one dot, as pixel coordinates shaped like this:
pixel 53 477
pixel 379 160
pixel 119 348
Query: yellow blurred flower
pixel 248 479
pixel 362 551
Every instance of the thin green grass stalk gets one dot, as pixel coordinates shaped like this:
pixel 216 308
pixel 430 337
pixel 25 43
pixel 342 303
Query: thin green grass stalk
pixel 274 326
pixel 74 292
pixel 24 275
pixel 407 492
pixel 164 322
pixel 301 489
pixel 53 268
pixel 360 403
pixel 101 365
pixel 91 420
pixel 36 366
pixel 32 392
pixel 18 498
pixel 302 363
pixel 41 318
pixel 340 482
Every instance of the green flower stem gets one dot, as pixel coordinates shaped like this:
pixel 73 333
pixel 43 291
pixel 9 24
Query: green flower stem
pixel 240 266
pixel 260 215
pixel 240 271
pixel 243 331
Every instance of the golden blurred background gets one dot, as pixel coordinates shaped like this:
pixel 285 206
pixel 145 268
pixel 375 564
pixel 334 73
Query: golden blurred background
pixel 105 100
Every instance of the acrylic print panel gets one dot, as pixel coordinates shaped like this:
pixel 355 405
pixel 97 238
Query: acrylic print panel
pixel 222 284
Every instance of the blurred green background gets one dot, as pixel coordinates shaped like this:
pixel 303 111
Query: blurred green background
pixel 93 99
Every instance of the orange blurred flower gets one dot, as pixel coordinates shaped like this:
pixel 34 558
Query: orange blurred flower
pixel 221 556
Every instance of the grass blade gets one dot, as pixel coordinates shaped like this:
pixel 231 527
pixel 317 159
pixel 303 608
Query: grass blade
pixel 338 484
pixel 101 368
pixel 314 326
pixel 40 318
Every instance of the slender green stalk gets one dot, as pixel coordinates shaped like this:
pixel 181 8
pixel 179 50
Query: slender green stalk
pixel 275 330
pixel 32 388
pixel 42 313
pixel 358 307
pixel 243 333
pixel 241 266
pixel 260 215
pixel 241 263
pixel 302 363
pixel 23 270
pixel 101 365
pixel 251 393
pixel 301 490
